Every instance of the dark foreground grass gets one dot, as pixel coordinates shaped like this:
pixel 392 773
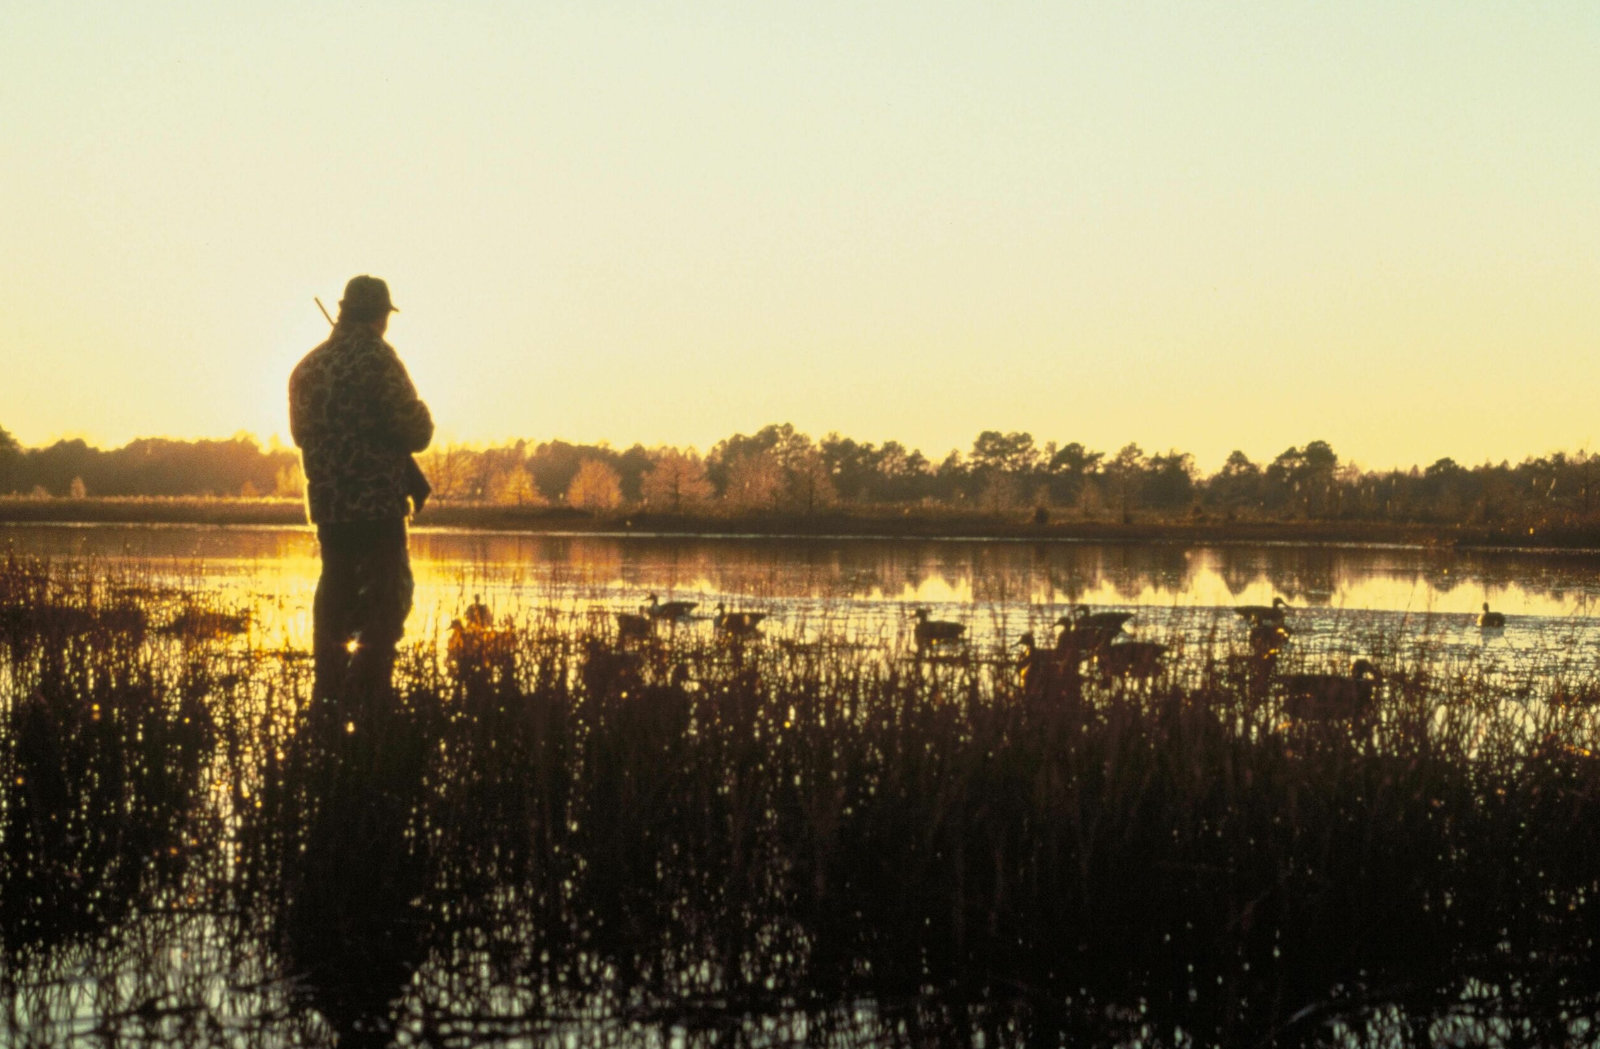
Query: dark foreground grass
pixel 545 837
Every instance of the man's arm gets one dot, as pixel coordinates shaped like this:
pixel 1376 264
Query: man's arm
pixel 409 421
pixel 299 411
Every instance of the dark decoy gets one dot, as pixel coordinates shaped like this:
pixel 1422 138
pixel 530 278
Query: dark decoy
pixel 1491 620
pixel 1083 618
pixel 736 624
pixel 1080 643
pixel 930 633
pixel 475 647
pixel 1044 674
pixel 632 627
pixel 606 671
pixel 1254 668
pixel 1268 639
pixel 669 610
pixel 205 623
pixel 478 614
pixel 1130 659
pixel 1331 697
pixel 1257 614
pixel 1084 632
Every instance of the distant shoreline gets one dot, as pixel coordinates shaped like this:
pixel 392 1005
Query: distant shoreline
pixel 864 523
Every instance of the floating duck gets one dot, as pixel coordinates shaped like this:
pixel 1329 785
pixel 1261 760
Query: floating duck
pixel 1491 620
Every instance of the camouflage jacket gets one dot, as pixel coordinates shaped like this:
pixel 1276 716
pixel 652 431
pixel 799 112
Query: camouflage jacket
pixel 357 419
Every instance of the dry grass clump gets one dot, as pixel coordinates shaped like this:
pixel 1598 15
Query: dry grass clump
pixel 740 840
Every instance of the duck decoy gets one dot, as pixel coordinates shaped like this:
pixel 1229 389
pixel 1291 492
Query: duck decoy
pixel 1257 614
pixel 669 610
pixel 1083 632
pixel 475 648
pixel 1045 675
pixel 930 633
pixel 478 615
pixel 632 627
pixel 1083 618
pixel 1331 697
pixel 1491 620
pixel 1268 639
pixel 606 671
pixel 1254 667
pixel 1080 643
pixel 736 624
pixel 1130 659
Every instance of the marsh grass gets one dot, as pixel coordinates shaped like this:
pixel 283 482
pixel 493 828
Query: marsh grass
pixel 818 841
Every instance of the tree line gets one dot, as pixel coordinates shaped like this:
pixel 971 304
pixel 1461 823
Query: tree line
pixel 780 469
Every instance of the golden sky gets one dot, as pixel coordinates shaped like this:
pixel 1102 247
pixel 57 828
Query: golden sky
pixel 1201 226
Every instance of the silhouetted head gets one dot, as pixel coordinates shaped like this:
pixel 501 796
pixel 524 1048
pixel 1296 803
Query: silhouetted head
pixel 366 299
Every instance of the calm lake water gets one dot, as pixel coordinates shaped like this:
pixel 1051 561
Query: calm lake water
pixel 195 869
pixel 866 588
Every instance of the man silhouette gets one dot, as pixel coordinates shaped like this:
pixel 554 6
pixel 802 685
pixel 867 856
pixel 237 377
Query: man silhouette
pixel 357 419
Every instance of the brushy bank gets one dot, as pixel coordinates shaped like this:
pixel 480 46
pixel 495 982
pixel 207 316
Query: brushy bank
pixel 546 833
pixel 917 522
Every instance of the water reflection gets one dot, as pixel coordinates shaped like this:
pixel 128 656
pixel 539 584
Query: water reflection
pixel 864 589
pixel 906 571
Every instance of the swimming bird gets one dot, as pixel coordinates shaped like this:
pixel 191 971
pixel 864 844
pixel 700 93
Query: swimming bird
pixel 1272 613
pixel 931 633
pixel 736 624
pixel 669 610
pixel 1491 620
pixel 1131 659
pixel 1331 697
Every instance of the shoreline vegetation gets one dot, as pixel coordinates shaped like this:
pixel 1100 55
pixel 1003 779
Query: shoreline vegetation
pixel 852 522
pixel 556 831
pixel 780 482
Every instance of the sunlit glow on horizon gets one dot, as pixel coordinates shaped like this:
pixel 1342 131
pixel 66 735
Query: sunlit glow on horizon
pixel 1193 227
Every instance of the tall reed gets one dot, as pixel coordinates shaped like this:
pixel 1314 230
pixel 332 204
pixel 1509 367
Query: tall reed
pixel 550 832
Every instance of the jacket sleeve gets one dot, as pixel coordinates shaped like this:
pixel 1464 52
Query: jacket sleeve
pixel 299 410
pixel 409 421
